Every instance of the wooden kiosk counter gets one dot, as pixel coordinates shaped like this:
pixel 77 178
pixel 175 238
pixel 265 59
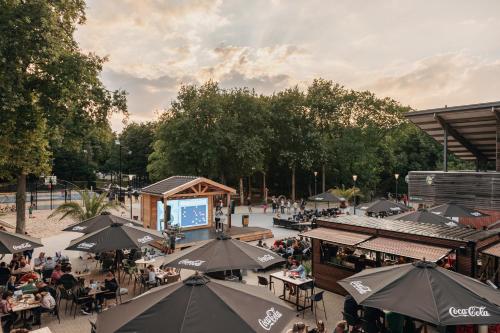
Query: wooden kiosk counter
pixel 339 243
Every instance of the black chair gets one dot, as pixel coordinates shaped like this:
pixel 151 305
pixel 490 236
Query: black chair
pixel 314 299
pixel 93 327
pixel 263 281
pixel 79 301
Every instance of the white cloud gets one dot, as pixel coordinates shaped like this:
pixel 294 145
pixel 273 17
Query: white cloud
pixel 423 54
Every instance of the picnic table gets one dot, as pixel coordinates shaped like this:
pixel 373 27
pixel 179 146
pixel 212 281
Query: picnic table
pixel 295 281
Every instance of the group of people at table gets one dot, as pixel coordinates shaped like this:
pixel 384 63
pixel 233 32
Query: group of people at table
pixel 298 247
pixel 26 287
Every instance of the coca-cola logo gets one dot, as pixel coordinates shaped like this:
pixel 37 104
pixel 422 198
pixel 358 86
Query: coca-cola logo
pixel 265 258
pixel 78 228
pixel 21 246
pixel 85 246
pixel 271 318
pixel 360 287
pixel 195 263
pixel 145 239
pixel 471 311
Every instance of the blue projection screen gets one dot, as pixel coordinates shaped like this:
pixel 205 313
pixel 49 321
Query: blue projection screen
pixel 188 213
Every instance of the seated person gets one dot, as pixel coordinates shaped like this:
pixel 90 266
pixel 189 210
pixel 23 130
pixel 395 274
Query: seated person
pixel 83 298
pixel 4 273
pixel 67 280
pixel 351 308
pixel 50 264
pixel 9 317
pixel 29 287
pixel 29 276
pixel 110 283
pixel 61 258
pixel 56 274
pixel 151 274
pixel 372 317
pixel 23 268
pixel 40 260
pixel 299 269
pixel 14 263
pixel 340 327
pixel 47 304
pixel 11 284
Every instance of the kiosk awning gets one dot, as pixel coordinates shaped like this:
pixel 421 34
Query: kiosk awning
pixel 493 250
pixel 405 249
pixel 336 236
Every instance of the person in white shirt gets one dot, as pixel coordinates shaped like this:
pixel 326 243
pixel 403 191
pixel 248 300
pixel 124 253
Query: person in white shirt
pixel 40 260
pixel 47 304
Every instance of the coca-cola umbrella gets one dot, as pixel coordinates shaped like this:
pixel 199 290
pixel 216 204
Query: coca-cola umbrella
pixel 14 243
pixel 223 253
pixel 98 222
pixel 427 292
pixel 453 210
pixel 199 304
pixel 114 237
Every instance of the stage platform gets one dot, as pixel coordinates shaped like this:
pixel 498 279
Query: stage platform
pixel 246 234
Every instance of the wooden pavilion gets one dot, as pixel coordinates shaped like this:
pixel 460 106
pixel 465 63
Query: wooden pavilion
pixel 182 187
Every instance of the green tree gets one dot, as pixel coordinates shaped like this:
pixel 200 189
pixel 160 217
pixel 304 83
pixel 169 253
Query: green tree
pixel 92 205
pixel 137 138
pixel 50 92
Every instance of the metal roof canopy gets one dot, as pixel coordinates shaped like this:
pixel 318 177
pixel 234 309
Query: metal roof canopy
pixel 471 130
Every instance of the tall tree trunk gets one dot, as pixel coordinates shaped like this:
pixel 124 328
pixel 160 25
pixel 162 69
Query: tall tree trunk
pixel 323 178
pixel 242 192
pixel 21 203
pixel 293 183
pixel 264 186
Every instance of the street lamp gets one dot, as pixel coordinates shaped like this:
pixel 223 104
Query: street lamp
pixel 117 142
pixel 130 177
pixel 354 178
pixel 396 176
pixel 315 182
pixel 85 151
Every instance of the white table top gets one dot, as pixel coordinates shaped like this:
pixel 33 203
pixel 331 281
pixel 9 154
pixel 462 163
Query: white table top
pixel 296 281
pixel 142 261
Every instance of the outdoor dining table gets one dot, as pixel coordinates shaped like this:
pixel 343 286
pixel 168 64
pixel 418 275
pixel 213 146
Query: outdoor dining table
pixel 145 262
pixel 25 304
pixel 297 282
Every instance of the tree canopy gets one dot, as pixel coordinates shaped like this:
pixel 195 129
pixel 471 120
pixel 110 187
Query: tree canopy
pixel 51 95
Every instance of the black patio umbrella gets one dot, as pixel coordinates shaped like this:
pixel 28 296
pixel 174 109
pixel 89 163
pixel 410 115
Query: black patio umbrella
pixel 382 205
pixel 427 292
pixel 98 222
pixel 199 305
pixel 325 197
pixel 424 216
pixel 454 210
pixel 14 243
pixel 114 237
pixel 223 253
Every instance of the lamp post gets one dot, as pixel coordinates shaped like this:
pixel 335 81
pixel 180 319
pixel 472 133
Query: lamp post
pixel 85 151
pixel 315 182
pixel 117 142
pixel 130 177
pixel 354 178
pixel 396 176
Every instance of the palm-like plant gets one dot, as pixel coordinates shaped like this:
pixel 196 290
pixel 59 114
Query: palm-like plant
pixel 91 205
pixel 347 193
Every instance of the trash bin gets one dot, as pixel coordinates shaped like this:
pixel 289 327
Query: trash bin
pixel 245 219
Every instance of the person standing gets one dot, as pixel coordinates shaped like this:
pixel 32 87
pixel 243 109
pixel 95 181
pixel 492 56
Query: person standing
pixel 288 206
pixel 282 206
pixel 249 203
pixel 295 207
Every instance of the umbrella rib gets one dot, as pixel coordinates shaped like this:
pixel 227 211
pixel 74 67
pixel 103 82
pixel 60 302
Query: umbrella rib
pixel 186 310
pixel 432 294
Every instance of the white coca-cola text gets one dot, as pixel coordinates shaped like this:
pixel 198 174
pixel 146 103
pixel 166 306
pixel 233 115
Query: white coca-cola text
pixel 85 245
pixel 145 239
pixel 188 262
pixel 471 311
pixel 265 258
pixel 21 246
pixel 271 318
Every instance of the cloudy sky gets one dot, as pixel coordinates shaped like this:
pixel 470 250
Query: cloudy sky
pixel 422 53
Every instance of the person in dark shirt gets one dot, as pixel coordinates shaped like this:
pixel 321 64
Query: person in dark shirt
pixel 372 317
pixel 67 280
pixel 360 264
pixel 4 273
pixel 351 308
